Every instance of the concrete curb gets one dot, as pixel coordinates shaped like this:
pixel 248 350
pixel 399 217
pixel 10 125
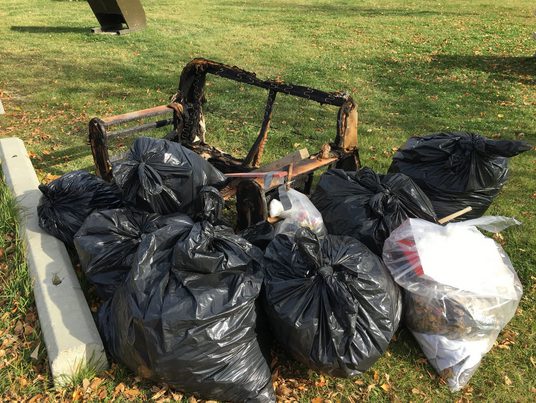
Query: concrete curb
pixel 69 331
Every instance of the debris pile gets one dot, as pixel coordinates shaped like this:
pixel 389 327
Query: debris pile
pixel 189 302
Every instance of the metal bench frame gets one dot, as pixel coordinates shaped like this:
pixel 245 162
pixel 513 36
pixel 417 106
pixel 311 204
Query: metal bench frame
pixel 185 114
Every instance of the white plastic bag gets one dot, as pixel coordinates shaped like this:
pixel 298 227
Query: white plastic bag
pixel 461 290
pixel 297 211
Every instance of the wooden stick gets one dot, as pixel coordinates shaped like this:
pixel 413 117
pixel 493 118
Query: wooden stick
pixel 452 216
pixel 289 175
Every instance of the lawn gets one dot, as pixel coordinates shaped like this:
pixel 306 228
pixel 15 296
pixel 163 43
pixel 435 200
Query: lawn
pixel 413 67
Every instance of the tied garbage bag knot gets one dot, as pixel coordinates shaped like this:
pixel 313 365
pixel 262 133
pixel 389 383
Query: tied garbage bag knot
pixel 368 206
pixel 160 176
pixel 186 312
pixel 67 201
pixel 149 179
pixel 330 302
pixel 108 240
pixel 457 169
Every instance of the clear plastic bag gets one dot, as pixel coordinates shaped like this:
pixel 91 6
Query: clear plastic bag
pixel 297 212
pixel 461 290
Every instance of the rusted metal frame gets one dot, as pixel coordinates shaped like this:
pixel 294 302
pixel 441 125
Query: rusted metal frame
pixel 99 148
pixel 255 153
pixel 140 128
pixel 243 76
pixel 98 134
pixel 300 168
pixel 136 115
pixel 346 139
pixel 220 159
pixel 308 183
pixel 191 93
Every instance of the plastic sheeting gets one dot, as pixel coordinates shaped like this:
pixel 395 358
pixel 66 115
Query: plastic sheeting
pixel 460 290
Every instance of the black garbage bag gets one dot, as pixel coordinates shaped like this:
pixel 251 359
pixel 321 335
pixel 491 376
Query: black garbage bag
pixel 108 240
pixel 185 314
pixel 163 177
pixel 260 234
pixel 457 170
pixel 67 201
pixel 331 303
pixel 368 206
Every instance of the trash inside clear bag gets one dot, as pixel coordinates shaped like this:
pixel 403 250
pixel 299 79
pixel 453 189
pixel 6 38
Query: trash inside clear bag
pixel 461 290
pixel 297 212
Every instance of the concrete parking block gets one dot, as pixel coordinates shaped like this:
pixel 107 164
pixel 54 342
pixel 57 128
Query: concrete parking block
pixel 71 337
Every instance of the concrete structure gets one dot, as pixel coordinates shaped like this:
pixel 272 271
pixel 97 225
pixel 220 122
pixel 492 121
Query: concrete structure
pixel 69 331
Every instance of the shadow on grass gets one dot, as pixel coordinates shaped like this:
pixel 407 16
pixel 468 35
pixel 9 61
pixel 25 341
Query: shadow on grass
pixel 511 68
pixel 31 29
pixel 52 162
pixel 356 10
pixel 453 92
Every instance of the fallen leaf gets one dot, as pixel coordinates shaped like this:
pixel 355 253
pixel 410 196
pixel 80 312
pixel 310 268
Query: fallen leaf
pixel 131 393
pixel 35 352
pixel 359 382
pixel 36 398
pixel 321 382
pixel 376 376
pixel 85 383
pixel 119 388
pixel 416 391
pixel 317 400
pixel 499 238
pixel 159 394
pixel 77 394
pixel 28 330
pixel 19 327
pixel 507 380
pixel 96 382
pixel 282 390
pixel 103 393
pixel 386 387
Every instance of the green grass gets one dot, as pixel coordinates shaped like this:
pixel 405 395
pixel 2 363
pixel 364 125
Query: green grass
pixel 412 66
pixel 19 327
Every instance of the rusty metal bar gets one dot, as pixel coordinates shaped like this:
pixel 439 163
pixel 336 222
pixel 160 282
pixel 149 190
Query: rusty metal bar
pixel 300 168
pixel 255 153
pixel 201 65
pixel 99 148
pixel 141 128
pixel 130 116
